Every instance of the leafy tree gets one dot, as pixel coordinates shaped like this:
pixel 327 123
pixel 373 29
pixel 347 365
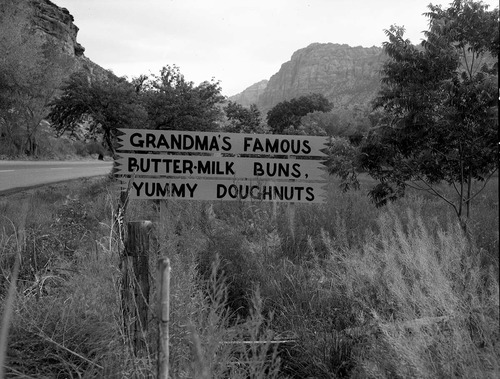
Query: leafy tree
pixel 173 103
pixel 287 115
pixel 166 102
pixel 330 122
pixel 97 107
pixel 17 58
pixel 349 123
pixel 31 70
pixel 43 87
pixel 439 108
pixel 343 161
pixel 243 120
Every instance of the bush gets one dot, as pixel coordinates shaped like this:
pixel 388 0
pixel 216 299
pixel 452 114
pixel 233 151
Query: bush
pixel 231 248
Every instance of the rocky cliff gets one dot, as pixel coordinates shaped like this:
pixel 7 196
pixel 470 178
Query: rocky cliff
pixel 51 20
pixel 346 75
pixel 56 24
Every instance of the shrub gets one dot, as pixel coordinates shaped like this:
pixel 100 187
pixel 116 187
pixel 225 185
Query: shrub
pixel 430 308
pixel 232 250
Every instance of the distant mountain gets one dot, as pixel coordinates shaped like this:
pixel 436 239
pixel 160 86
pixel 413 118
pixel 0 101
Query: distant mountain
pixel 347 76
pixel 251 94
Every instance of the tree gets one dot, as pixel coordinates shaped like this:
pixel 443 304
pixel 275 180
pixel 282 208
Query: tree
pixel 243 120
pixel 99 105
pixel 439 108
pixel 44 83
pixel 18 55
pixel 350 123
pixel 343 161
pixel 287 115
pixel 173 103
pixel 31 70
pixel 166 102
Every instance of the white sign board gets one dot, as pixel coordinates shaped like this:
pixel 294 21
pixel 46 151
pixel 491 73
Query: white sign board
pixel 213 142
pixel 189 189
pixel 220 167
pixel 252 175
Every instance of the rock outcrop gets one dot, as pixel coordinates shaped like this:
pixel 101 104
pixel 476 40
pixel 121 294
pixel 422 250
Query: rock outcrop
pixel 347 76
pixel 51 20
pixel 56 24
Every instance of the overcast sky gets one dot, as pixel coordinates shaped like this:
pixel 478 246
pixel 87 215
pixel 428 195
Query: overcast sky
pixel 238 42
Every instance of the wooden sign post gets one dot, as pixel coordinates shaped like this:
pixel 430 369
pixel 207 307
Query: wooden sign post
pixel 164 317
pixel 216 167
pixel 135 284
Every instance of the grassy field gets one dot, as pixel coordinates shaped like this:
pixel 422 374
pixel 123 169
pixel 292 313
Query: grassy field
pixel 393 292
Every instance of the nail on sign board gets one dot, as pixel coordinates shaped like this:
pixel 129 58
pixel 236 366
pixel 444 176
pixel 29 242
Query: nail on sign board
pixel 245 190
pixel 230 143
pixel 220 167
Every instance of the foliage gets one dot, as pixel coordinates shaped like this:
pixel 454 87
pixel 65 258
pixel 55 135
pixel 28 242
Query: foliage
pixel 287 115
pixel 173 103
pixel 102 104
pixel 31 70
pixel 349 123
pixel 343 162
pixel 348 127
pixel 243 120
pixel 229 247
pixel 439 102
pixel 98 106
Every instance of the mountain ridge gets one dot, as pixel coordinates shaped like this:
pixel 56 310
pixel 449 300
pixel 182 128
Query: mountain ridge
pixel 347 76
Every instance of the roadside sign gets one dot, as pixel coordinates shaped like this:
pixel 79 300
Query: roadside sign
pixel 213 142
pixel 244 190
pixel 220 167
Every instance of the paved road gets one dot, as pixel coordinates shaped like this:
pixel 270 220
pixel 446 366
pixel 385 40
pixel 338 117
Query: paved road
pixel 15 175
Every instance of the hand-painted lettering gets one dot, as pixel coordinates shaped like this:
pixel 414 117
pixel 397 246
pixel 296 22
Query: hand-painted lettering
pixel 265 192
pixel 136 141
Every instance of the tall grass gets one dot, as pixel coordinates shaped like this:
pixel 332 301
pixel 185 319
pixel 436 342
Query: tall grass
pixel 67 320
pixel 362 292
pixel 434 303
pixel 414 300
pixel 10 279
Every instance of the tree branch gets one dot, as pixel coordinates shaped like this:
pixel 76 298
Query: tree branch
pixel 430 189
pixel 484 185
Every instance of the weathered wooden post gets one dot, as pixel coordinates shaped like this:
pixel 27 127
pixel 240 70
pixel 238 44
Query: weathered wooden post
pixel 135 284
pixel 164 317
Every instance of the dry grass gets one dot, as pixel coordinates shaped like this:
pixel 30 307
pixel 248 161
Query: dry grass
pixel 346 280
pixel 413 300
pixel 66 315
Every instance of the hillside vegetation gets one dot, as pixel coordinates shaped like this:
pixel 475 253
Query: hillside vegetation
pixel 39 52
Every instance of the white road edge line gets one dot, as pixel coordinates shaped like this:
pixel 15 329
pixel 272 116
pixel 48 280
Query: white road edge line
pixel 7 170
